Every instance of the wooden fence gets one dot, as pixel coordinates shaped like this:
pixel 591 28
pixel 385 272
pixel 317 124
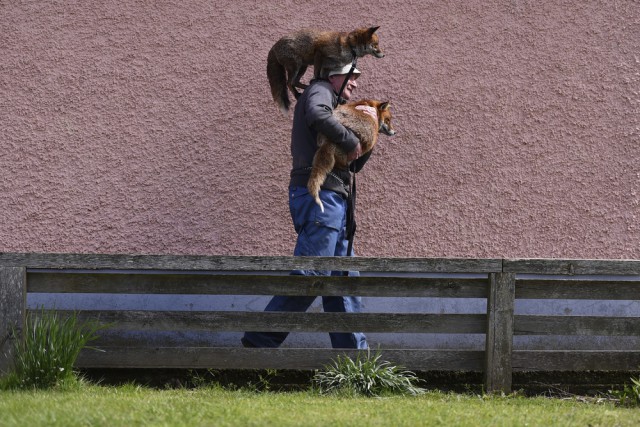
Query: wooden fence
pixel 500 281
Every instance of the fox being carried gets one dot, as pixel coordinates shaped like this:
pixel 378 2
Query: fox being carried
pixel 291 55
pixel 352 116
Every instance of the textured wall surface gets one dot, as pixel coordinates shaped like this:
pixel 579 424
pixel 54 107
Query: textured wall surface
pixel 147 127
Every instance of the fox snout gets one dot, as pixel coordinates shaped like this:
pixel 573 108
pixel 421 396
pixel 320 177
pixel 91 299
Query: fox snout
pixel 374 49
pixel 387 129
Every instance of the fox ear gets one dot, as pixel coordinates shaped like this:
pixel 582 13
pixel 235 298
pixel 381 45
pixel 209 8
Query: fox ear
pixel 384 106
pixel 373 29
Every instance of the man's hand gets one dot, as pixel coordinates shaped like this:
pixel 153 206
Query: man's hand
pixel 368 110
pixel 357 152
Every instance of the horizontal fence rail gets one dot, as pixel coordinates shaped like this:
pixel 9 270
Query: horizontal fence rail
pixel 572 267
pixel 578 289
pixel 281 358
pixel 285 321
pixel 501 282
pixel 247 263
pixel 253 284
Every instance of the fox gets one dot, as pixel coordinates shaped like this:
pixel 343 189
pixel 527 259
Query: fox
pixel 329 155
pixel 290 56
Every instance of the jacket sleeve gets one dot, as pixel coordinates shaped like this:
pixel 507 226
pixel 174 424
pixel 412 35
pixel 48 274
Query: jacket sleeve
pixel 320 118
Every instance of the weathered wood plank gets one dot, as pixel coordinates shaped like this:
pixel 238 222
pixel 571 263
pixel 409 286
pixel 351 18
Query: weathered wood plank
pixel 281 358
pixel 286 321
pixel 576 360
pixel 13 299
pixel 576 325
pixel 578 289
pixel 286 263
pixel 252 284
pixel 499 340
pixel 572 266
pixel 247 263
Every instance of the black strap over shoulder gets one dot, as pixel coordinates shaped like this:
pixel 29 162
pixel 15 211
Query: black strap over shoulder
pixel 351 199
pixel 351 210
pixel 341 100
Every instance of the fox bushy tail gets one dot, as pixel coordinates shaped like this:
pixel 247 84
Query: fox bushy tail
pixel 315 182
pixel 323 162
pixel 278 81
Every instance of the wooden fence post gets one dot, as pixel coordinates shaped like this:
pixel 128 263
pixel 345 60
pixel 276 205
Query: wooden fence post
pixel 499 342
pixel 13 299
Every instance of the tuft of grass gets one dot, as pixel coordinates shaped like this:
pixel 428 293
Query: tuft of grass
pixel 44 358
pixel 630 394
pixel 366 375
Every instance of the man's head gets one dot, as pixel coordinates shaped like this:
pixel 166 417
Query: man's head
pixel 336 78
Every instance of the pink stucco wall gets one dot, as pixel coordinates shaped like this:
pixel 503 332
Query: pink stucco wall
pixel 147 127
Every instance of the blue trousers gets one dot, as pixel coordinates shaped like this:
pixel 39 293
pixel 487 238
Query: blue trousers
pixel 319 234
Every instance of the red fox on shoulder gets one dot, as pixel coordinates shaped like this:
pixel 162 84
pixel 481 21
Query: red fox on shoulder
pixel 329 155
pixel 290 56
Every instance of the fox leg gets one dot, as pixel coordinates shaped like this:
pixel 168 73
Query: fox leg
pixel 301 72
pixel 323 162
pixel 294 80
pixel 318 63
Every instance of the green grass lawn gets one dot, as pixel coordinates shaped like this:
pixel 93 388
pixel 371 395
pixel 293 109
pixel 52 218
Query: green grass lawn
pixel 92 405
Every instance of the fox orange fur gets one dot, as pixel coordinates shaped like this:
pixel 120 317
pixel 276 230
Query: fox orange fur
pixel 290 56
pixel 329 155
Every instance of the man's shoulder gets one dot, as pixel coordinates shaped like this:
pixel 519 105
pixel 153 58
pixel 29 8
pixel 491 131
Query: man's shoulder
pixel 320 85
pixel 321 89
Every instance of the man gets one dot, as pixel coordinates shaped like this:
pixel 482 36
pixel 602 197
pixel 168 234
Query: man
pixel 319 233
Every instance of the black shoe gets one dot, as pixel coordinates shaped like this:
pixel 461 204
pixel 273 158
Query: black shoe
pixel 246 343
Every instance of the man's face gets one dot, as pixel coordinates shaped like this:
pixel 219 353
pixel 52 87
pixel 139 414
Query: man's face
pixel 336 81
